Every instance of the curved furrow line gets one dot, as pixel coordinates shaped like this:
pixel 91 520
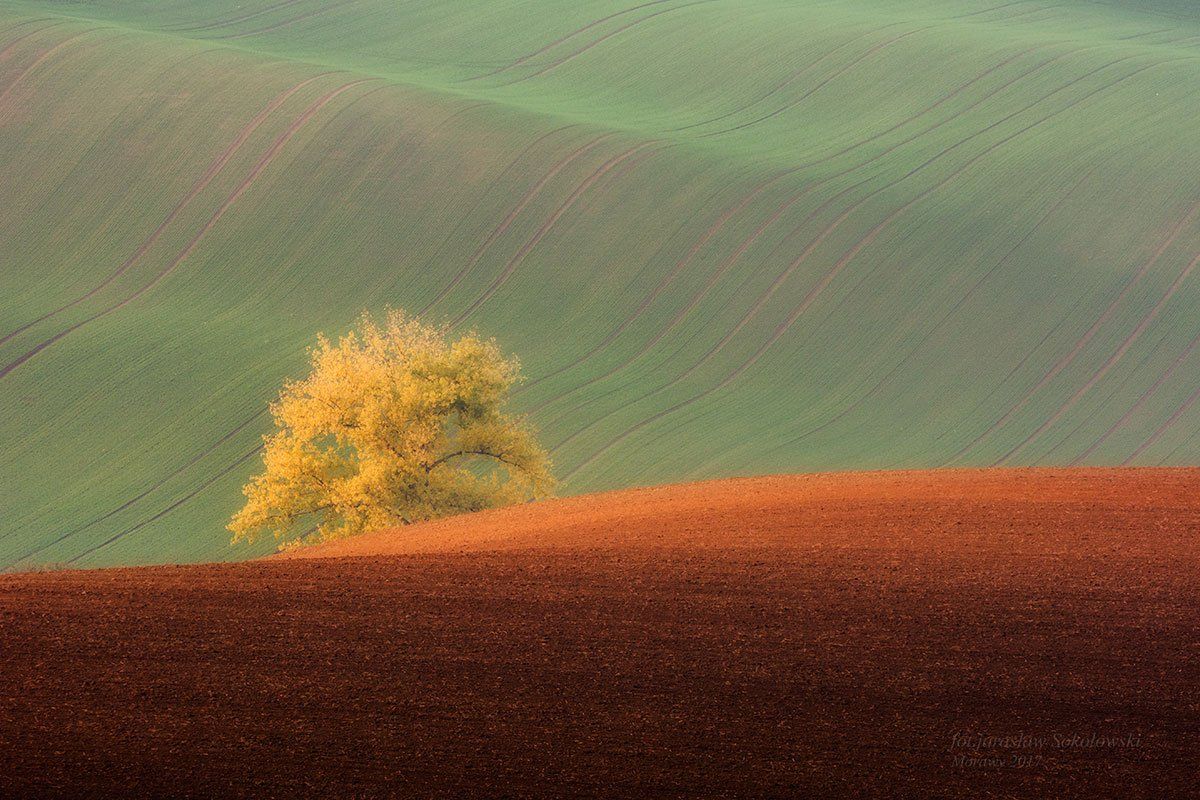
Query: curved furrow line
pixel 1162 429
pixel 547 48
pixel 511 266
pixel 786 81
pixel 1066 360
pixel 966 297
pixel 655 293
pixel 670 277
pixel 648 345
pixel 1116 356
pixel 1181 443
pixel 12 44
pixel 223 23
pixel 285 23
pixel 408 156
pixel 779 280
pixel 647 301
pixel 811 297
pixel 942 101
pixel 1050 333
pixel 1107 399
pixel 1039 122
pixel 479 196
pixel 990 10
pixel 1015 370
pixel 1137 407
pixel 207 483
pixel 152 488
pixel 262 164
pixel 876 157
pixel 36 63
pixel 837 268
pixel 660 287
pixel 736 254
pixel 571 57
pixel 205 179
pixel 820 85
pixel 530 195
pixel 1143 35
pixel 21 23
pixel 1026 13
pixel 722 269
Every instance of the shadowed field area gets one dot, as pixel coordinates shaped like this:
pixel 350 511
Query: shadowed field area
pixel 848 635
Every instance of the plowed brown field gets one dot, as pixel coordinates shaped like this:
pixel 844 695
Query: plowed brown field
pixel 1003 633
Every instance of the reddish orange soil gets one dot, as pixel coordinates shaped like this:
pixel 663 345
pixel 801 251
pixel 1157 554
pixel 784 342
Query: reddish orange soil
pixel 1017 633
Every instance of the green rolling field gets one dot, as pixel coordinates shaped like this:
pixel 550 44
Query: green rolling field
pixel 724 236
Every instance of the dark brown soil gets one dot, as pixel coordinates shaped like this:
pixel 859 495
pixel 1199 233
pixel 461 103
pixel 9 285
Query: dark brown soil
pixel 983 634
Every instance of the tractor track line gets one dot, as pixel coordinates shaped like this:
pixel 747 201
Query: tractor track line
pixel 712 230
pixel 990 10
pixel 16 26
pixel 519 256
pixel 12 44
pixel 650 344
pixel 788 80
pixel 1016 370
pixel 661 286
pixel 1143 35
pixel 454 232
pixel 725 218
pixel 262 164
pixel 530 195
pixel 820 85
pixel 870 273
pixel 1158 433
pixel 783 327
pixel 153 488
pixel 736 254
pixel 205 179
pixel 945 317
pixel 525 58
pixel 808 250
pixel 1116 356
pixel 1032 126
pixel 697 298
pixel 555 65
pixel 224 23
pixel 824 234
pixel 1066 360
pixel 1141 401
pixel 775 284
pixel 37 62
pixel 938 104
pixel 207 483
pixel 1026 13
pixel 285 23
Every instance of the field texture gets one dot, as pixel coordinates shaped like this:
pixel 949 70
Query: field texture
pixel 725 236
pixel 990 634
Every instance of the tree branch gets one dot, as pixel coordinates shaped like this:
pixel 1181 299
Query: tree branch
pixel 485 453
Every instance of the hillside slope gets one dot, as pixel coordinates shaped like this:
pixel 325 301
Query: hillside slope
pixel 830 636
pixel 724 237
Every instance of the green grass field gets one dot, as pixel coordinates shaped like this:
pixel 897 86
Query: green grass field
pixel 724 236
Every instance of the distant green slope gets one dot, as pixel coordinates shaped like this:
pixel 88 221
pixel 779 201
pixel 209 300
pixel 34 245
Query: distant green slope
pixel 724 236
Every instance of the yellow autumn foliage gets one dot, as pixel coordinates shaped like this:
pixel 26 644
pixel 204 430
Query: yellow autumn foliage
pixel 395 424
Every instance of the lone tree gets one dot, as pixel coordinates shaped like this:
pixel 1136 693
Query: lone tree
pixel 395 424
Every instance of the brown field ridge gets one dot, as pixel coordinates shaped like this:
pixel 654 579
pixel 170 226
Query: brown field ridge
pixel 983 633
